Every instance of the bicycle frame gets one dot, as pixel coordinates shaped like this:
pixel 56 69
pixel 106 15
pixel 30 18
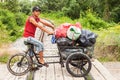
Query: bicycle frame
pixel 32 54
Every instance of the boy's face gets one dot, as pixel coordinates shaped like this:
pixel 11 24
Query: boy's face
pixel 36 13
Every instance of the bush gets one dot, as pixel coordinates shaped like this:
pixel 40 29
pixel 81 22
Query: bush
pixel 108 44
pixel 20 18
pixel 7 18
pixel 4 34
pixel 13 23
pixel 4 58
pixel 91 21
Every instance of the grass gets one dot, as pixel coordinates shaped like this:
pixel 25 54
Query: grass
pixel 107 47
pixel 104 59
pixel 88 77
pixel 4 58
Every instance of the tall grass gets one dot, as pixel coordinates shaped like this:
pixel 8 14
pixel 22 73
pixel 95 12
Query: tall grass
pixel 57 18
pixel 108 44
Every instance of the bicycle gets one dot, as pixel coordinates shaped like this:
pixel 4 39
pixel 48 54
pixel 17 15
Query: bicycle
pixel 77 61
pixel 19 64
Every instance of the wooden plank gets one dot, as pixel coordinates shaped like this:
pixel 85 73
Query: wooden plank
pixel 51 72
pixel 43 73
pixel 66 75
pixel 103 71
pixel 95 74
pixel 78 78
pixel 12 77
pixel 58 72
pixel 37 74
pixel 51 53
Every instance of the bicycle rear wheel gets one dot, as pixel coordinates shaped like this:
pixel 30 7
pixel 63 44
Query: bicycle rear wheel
pixel 18 64
pixel 78 64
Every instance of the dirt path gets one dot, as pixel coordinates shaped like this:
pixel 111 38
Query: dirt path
pixel 17 46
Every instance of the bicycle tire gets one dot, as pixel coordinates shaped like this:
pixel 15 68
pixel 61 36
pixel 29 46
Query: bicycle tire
pixel 17 64
pixel 85 61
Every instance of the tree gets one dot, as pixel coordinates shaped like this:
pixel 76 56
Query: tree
pixel 25 7
pixel 114 7
pixel 12 5
pixel 51 5
pixel 72 9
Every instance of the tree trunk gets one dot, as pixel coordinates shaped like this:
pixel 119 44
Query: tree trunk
pixel 106 13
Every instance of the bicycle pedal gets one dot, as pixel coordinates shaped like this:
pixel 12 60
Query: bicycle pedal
pixel 34 68
pixel 39 65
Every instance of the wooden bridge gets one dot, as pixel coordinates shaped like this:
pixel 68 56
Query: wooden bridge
pixel 56 72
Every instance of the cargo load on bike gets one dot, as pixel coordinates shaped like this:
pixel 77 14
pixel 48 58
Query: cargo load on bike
pixel 71 35
pixel 73 43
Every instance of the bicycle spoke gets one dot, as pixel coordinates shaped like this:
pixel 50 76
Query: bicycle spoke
pixel 15 77
pixel 14 68
pixel 17 70
pixel 23 69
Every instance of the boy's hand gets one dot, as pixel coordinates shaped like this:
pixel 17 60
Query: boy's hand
pixel 50 33
pixel 53 27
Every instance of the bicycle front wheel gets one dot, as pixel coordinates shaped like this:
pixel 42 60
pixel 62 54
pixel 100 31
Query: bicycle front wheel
pixel 18 64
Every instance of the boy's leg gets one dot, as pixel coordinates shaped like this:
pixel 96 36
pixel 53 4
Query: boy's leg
pixel 41 57
pixel 42 60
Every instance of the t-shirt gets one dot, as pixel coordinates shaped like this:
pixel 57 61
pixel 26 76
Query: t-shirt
pixel 30 28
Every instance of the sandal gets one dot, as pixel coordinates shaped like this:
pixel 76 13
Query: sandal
pixel 34 68
pixel 45 64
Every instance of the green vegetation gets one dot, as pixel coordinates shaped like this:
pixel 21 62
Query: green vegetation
pixel 11 25
pixel 102 17
pixel 4 58
pixel 108 44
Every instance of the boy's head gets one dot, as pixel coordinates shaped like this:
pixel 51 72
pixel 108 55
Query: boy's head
pixel 36 8
pixel 36 11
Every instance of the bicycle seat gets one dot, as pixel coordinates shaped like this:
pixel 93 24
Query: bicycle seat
pixel 27 43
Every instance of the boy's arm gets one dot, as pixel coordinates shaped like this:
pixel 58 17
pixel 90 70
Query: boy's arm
pixel 32 20
pixel 47 23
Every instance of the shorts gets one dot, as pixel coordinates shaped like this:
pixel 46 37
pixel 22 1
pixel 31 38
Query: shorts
pixel 38 46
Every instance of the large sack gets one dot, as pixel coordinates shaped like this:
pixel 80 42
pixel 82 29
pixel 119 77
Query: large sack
pixel 87 38
pixel 61 31
pixel 64 42
pixel 73 32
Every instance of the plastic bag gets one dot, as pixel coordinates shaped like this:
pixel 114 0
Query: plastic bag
pixel 53 39
pixel 87 38
pixel 61 31
pixel 64 42
pixel 73 32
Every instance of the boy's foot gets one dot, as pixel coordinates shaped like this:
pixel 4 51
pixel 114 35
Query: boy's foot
pixel 34 68
pixel 44 64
